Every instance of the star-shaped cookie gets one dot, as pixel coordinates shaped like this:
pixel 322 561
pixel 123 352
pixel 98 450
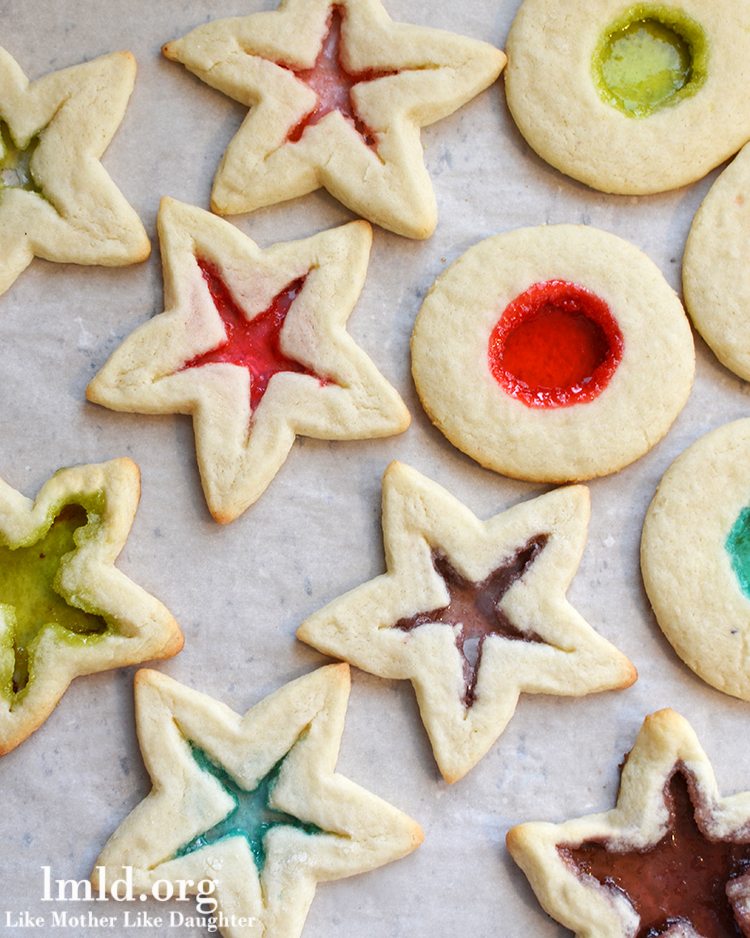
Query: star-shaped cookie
pixel 251 803
pixel 253 344
pixel 671 859
pixel 338 93
pixel 56 199
pixel 472 612
pixel 65 609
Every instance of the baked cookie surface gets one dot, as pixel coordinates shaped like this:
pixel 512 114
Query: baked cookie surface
pixel 251 803
pixel 670 859
pixel 695 557
pixel 65 609
pixel 472 613
pixel 56 199
pixel 631 98
pixel 338 94
pixel 715 275
pixel 553 354
pixel 253 344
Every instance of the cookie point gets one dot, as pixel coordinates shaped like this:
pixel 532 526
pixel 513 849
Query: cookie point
pixel 144 676
pixel 416 836
pixel 341 671
pixel 664 715
pixel 169 49
pixel 631 673
pixel 514 837
pixel 143 252
pixel 126 464
pixel 127 58
pixel 175 644
pixel 395 467
pixel 222 517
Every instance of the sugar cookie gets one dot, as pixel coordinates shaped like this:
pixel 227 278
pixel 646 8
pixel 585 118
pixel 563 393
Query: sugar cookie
pixel 338 94
pixel 671 859
pixel 248 809
pixel 634 98
pixel 56 199
pixel 553 354
pixel 65 609
pixel 253 344
pixel 472 613
pixel 695 557
pixel 715 272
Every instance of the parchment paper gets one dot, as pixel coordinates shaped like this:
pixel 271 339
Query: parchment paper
pixel 239 592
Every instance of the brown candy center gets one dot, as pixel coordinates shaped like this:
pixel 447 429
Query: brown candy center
pixel 473 607
pixel 687 877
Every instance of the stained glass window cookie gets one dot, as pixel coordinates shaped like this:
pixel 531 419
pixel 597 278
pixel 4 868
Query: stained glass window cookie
pixel 631 98
pixel 672 857
pixel 56 199
pixel 251 804
pixel 695 557
pixel 253 344
pixel 338 93
pixel 473 613
pixel 553 354
pixel 715 274
pixel 65 609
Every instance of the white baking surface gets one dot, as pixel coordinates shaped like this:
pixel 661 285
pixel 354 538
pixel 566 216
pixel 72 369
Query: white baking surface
pixel 240 591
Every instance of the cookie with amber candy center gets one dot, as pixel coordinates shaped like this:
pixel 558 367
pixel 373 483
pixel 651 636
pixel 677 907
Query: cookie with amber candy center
pixel 553 354
pixel 631 98
pixel 672 858
pixel 472 613
pixel 65 609
pixel 56 200
pixel 695 557
pixel 338 93
pixel 249 810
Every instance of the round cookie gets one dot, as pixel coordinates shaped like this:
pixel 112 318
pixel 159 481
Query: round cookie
pixel 715 273
pixel 695 557
pixel 631 99
pixel 553 354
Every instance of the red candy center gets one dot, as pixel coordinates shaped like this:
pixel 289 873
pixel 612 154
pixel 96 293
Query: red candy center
pixel 555 345
pixel 333 84
pixel 254 343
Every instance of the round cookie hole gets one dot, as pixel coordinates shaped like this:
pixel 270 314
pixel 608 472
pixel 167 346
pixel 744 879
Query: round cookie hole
pixel 650 58
pixel 555 345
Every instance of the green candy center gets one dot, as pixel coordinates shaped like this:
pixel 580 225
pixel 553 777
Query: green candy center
pixel 252 815
pixel 31 601
pixel 650 58
pixel 15 162
pixel 738 548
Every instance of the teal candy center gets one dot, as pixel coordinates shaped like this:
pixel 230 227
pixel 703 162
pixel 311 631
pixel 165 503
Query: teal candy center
pixel 252 815
pixel 738 548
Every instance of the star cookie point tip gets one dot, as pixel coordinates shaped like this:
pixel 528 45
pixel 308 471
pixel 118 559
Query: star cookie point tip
pixel 472 612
